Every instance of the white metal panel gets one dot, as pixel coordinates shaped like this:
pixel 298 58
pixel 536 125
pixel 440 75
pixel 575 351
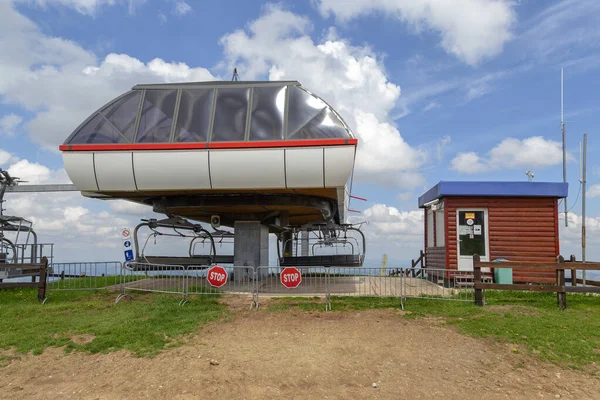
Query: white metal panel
pixel 338 165
pixel 171 170
pixel 247 169
pixel 304 168
pixel 80 168
pixel 114 171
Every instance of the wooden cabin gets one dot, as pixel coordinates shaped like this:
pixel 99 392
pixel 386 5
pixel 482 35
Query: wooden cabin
pixel 514 221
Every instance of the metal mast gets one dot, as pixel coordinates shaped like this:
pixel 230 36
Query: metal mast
pixel 583 189
pixel 564 142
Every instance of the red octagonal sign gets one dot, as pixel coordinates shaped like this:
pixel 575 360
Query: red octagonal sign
pixel 216 276
pixel 290 277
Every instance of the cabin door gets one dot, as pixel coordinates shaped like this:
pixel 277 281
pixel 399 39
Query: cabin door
pixel 472 235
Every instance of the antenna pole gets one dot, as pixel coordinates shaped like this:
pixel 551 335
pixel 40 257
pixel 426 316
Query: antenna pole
pixel 235 76
pixel 564 141
pixel 583 190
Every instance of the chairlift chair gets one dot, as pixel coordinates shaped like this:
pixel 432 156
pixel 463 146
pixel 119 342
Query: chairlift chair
pixel 328 246
pixel 180 228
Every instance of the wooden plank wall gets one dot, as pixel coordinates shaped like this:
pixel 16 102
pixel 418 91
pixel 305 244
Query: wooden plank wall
pixel 435 257
pixel 520 229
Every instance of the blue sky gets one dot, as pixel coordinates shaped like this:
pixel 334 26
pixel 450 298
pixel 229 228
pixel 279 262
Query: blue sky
pixel 467 91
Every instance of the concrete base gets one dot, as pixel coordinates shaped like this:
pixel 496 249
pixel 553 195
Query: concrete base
pixel 250 248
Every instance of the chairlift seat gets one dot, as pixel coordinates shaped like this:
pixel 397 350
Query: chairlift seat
pixel 344 260
pixel 145 262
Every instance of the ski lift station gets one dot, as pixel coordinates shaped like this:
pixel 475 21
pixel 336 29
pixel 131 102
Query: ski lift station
pixel 259 157
pixel 512 221
pixel 263 158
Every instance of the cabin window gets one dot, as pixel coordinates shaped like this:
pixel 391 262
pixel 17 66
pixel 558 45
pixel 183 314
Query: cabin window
pixel 98 130
pixel 217 114
pixel 122 114
pixel 157 116
pixel 195 108
pixel 113 124
pixel 266 122
pixel 230 115
pixel 302 108
pixel 440 239
pixel 325 125
pixel 430 228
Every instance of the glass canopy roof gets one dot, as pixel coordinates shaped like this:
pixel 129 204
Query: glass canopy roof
pixel 212 112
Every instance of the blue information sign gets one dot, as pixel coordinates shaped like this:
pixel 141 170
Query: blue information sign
pixel 128 255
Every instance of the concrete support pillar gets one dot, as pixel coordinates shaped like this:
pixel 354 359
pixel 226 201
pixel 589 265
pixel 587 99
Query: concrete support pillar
pixel 250 248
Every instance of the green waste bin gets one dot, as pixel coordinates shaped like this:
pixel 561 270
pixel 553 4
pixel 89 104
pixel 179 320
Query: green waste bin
pixel 502 275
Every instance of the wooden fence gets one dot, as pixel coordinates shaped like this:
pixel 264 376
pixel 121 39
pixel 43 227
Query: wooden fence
pixel 560 287
pixel 34 271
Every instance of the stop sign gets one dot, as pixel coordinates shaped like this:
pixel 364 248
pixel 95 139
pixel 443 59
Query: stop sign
pixel 290 277
pixel 216 276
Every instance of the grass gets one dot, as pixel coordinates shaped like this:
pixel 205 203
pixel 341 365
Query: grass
pixel 530 321
pixel 153 322
pixel 145 326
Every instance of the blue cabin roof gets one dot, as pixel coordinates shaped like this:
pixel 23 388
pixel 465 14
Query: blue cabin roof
pixel 494 189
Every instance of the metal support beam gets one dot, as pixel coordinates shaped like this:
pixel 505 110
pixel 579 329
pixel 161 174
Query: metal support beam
pixel 59 187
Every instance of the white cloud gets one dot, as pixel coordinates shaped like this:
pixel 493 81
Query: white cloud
pixel 468 163
pixel 593 191
pixel 390 222
pixel 533 152
pixel 86 7
pixel 441 146
pixel 466 88
pixel 352 79
pixel 181 8
pixel 67 219
pixel 387 226
pixel 128 208
pixel 162 18
pixel 34 173
pixel 472 30
pixel 570 237
pixel 61 83
pixel 431 106
pixel 7 158
pixel 563 28
pixel 9 123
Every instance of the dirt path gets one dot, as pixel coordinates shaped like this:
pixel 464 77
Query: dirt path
pixel 301 355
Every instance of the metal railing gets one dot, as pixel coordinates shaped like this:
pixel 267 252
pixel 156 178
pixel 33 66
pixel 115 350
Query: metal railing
pixel 437 284
pixel 159 278
pixel 403 284
pixel 84 275
pixel 22 253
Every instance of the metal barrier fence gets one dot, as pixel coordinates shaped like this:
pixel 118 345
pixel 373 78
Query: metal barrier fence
pixel 424 283
pixel 314 281
pixel 84 275
pixel 146 277
pixel 240 280
pixel 438 284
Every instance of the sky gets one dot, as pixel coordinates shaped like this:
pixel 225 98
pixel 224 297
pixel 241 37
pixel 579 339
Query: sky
pixel 461 90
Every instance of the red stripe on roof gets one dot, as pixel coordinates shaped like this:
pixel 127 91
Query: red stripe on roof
pixel 212 145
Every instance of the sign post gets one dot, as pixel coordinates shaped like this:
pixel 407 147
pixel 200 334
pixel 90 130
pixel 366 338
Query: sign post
pixel 290 277
pixel 127 247
pixel 216 276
